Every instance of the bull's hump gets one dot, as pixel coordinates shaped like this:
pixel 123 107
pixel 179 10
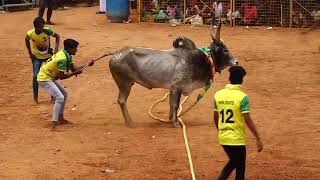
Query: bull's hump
pixel 142 49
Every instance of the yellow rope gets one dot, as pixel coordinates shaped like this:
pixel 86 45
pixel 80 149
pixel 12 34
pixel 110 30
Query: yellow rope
pixel 180 113
pixel 188 149
pixel 183 125
pixel 153 105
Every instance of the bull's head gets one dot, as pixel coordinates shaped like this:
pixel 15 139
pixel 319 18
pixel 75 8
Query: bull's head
pixel 219 51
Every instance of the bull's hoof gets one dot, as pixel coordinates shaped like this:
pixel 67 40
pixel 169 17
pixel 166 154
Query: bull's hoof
pixel 129 124
pixel 177 124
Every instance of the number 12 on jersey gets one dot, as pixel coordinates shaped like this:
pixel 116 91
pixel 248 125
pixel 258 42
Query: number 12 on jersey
pixel 229 114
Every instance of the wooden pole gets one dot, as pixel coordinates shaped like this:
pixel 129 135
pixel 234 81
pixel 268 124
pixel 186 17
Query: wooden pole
pixel 291 13
pixel 184 10
pixel 281 21
pixel 233 11
pixel 139 10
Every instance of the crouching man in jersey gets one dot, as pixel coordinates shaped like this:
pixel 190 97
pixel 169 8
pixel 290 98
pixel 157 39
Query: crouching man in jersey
pixel 231 113
pixel 59 66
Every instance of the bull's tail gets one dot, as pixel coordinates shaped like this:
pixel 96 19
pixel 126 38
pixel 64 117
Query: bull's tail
pixel 106 54
pixel 98 58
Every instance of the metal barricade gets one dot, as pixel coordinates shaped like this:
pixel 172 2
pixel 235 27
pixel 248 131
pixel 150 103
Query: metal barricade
pixel 283 13
pixel 5 4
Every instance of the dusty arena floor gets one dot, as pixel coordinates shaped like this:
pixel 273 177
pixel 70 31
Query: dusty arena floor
pixel 283 84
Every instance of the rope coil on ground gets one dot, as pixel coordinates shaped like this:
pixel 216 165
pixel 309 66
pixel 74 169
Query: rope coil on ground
pixel 180 113
pixel 183 126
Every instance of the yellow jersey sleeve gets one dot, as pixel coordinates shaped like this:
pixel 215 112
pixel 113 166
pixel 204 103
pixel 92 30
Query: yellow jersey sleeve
pixel 48 31
pixel 29 34
pixel 244 105
pixel 215 107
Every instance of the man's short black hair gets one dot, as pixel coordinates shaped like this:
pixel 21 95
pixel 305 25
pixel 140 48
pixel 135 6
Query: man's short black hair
pixel 38 21
pixel 236 74
pixel 70 43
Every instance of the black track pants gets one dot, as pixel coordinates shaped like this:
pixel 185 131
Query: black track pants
pixel 237 160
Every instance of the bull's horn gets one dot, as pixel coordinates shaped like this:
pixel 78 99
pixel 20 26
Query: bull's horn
pixel 215 31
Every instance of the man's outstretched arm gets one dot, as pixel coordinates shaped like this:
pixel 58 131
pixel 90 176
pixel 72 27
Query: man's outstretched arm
pixel 254 131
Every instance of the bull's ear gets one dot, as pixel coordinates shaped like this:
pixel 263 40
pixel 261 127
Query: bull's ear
pixel 215 30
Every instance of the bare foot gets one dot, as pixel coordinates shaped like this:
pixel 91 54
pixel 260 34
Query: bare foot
pixel 54 125
pixel 52 100
pixel 50 23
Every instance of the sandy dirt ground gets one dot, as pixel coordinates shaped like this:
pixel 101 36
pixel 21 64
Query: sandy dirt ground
pixel 283 84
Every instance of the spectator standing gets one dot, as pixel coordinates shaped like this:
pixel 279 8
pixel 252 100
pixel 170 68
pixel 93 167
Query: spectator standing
pixel 43 4
pixel 40 50
pixel 102 7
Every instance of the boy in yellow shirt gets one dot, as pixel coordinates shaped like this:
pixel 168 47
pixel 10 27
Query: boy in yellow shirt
pixel 40 50
pixel 231 113
pixel 58 67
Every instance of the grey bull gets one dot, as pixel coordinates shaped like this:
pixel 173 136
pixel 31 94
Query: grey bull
pixel 180 70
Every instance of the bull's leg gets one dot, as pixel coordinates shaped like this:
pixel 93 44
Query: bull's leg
pixel 124 84
pixel 122 100
pixel 174 106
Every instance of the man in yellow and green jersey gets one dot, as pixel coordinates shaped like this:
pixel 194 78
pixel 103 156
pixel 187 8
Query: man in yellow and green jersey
pixel 40 50
pixel 58 67
pixel 59 62
pixel 231 113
